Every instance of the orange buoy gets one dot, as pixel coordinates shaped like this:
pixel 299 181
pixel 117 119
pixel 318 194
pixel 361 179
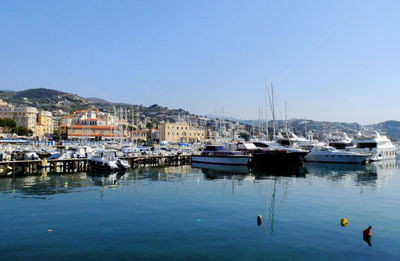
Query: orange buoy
pixel 259 220
pixel 367 232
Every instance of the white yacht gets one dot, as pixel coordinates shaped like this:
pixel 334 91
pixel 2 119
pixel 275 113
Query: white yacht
pixel 376 146
pixel 289 138
pixel 217 154
pixel 332 155
pixel 339 140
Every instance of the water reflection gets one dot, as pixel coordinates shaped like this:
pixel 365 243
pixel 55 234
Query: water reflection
pixel 374 174
pixel 215 171
pixel 43 186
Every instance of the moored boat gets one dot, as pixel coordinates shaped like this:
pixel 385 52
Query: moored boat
pixel 217 154
pixel 376 146
pixel 107 161
pixel 332 155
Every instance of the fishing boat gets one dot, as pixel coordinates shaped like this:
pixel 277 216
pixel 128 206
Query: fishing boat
pixel 332 155
pixel 217 154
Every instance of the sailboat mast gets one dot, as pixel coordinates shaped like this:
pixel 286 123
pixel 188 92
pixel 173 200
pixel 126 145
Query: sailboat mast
pixel 266 107
pixel 272 103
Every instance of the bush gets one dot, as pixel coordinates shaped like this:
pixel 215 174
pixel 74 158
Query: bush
pixel 7 123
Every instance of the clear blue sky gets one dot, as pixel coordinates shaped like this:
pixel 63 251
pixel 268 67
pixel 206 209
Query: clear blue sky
pixel 330 60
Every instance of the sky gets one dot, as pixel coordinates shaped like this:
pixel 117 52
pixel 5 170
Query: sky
pixel 328 60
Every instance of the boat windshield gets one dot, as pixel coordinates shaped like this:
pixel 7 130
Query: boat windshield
pixel 260 145
pixel 214 148
pixel 369 145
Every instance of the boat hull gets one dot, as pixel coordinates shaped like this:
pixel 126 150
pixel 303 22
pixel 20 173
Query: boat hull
pixel 336 158
pixel 378 154
pixel 101 167
pixel 223 160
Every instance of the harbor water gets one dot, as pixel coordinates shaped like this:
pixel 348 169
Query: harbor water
pixel 204 212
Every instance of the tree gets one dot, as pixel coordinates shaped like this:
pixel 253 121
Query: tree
pixel 7 124
pixel 56 135
pixel 244 136
pixel 22 131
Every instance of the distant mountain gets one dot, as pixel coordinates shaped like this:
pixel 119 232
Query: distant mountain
pixel 46 99
pixel 97 100
pixel 391 128
pixel 213 116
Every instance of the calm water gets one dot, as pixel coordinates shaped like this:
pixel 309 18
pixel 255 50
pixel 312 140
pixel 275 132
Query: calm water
pixel 185 213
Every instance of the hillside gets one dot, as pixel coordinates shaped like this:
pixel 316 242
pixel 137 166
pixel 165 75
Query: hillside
pixel 54 100
pixel 46 99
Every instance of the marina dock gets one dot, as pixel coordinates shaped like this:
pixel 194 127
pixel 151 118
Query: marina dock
pixel 64 166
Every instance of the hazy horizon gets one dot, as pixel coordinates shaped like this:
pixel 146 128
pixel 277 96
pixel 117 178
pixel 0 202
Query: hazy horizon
pixel 330 61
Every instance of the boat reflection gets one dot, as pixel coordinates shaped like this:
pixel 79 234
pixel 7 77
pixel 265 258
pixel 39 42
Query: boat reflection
pixel 279 171
pixel 215 171
pixel 371 174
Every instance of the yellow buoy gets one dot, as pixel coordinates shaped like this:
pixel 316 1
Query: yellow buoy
pixel 44 162
pixel 344 222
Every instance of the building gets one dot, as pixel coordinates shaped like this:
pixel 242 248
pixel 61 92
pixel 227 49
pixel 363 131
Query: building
pixel 139 135
pixel 40 123
pixel 44 123
pixel 181 132
pixel 26 116
pixel 92 125
pixel 91 131
pixel 6 110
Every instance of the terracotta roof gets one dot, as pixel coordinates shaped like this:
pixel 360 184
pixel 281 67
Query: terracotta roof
pixel 94 135
pixel 91 127
pixel 93 120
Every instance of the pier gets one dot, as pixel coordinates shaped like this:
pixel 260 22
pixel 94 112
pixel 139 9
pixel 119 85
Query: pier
pixel 64 166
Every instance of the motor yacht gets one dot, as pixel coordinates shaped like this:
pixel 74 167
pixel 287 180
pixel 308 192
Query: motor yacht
pixel 376 146
pixel 107 161
pixel 272 153
pixel 339 140
pixel 217 154
pixel 332 155
pixel 289 138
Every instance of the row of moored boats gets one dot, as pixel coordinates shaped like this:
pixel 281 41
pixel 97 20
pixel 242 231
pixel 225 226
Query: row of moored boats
pixel 290 149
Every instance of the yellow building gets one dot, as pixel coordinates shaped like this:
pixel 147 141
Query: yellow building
pixel 44 123
pixel 6 110
pixel 40 123
pixel 137 135
pixel 26 116
pixel 181 132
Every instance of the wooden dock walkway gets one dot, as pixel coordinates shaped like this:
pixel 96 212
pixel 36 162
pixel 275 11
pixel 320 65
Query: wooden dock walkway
pixel 63 166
